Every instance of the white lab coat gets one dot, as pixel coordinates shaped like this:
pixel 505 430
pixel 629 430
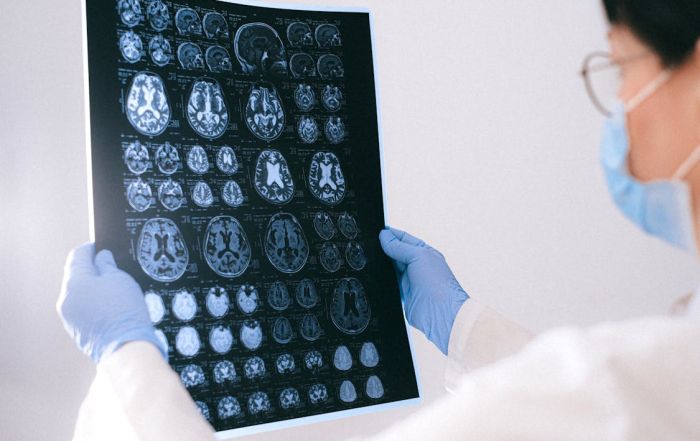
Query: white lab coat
pixel 634 380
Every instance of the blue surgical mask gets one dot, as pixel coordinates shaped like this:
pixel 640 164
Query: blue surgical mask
pixel 662 208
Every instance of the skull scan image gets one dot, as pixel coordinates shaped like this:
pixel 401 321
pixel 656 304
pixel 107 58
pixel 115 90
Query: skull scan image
pixel 163 340
pixel 355 256
pixel 160 50
pixel 264 115
pixel 187 22
pixel 187 341
pixel 224 371
pixel 335 130
pixel 226 160
pixel 228 407
pixel 167 159
pixel 285 243
pixel 192 375
pixel 139 195
pixel 130 12
pixel 217 302
pixel 147 107
pixel 131 46
pixel 218 60
pixel 215 25
pixel 232 194
pixel 184 305
pixel 226 247
pixel 342 360
pixel 330 67
pixel 155 306
pixel 318 394
pixel 327 35
pixel 136 158
pixel 369 356
pixel 251 334
pixel 332 98
pixel 282 330
pixel 203 409
pixel 307 129
pixel 158 15
pixel 170 195
pixel 161 250
pixel 349 309
pixel 258 403
pixel 348 225
pixel 330 257
pixel 323 224
pixel 248 299
pixel 313 360
pixel 278 296
pixel 310 328
pixel 304 97
pixel 285 364
pixel 221 339
pixel 273 180
pixel 190 56
pixel 289 398
pixel 206 110
pixel 374 388
pixel 259 49
pixel 306 294
pixel 197 160
pixel 347 392
pixel 302 66
pixel 299 34
pixel 326 180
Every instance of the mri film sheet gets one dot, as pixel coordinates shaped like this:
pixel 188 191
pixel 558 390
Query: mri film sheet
pixel 236 176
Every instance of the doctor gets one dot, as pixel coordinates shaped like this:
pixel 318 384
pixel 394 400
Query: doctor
pixel 634 380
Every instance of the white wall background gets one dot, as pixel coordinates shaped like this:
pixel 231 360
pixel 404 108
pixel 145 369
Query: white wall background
pixel 490 153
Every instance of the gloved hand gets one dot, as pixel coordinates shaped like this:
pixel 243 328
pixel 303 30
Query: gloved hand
pixel 431 295
pixel 101 306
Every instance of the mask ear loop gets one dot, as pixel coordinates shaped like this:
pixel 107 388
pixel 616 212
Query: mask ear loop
pixel 648 90
pixel 687 165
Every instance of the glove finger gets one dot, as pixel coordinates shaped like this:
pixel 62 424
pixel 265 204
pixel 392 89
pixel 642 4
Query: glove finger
pixel 407 238
pixel 80 261
pixel 104 261
pixel 397 250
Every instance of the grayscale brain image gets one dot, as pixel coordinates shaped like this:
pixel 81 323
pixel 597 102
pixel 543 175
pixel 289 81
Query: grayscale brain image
pixel 236 176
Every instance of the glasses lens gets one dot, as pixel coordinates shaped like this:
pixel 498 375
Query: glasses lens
pixel 603 80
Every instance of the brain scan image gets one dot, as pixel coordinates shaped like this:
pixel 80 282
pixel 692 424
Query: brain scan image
pixel 131 46
pixel 139 195
pixel 197 160
pixel 347 226
pixel 226 247
pixel 190 56
pixel 264 115
pixel 307 129
pixel 327 35
pixel 221 339
pixel 323 224
pixel 251 334
pixel 332 98
pixel 273 180
pixel 278 296
pixel 232 194
pixel 342 360
pixel 161 250
pixel 318 394
pixel 160 50
pixel 330 257
pixel 206 110
pixel 306 294
pixel 330 67
pixel 304 97
pixel 136 158
pixel 226 160
pixel 374 388
pixel 155 306
pixel 202 195
pixel 254 367
pixel 299 34
pixel 326 179
pixel 203 409
pixel 147 107
pixel 258 403
pixel 218 60
pixel 259 49
pixel 285 364
pixel 349 309
pixel 184 305
pixel 228 407
pixel 217 301
pixel 335 130
pixel 130 12
pixel 215 25
pixel 224 371
pixel 282 330
pixel 187 341
pixel 369 356
pixel 248 299
pixel 162 339
pixel 310 328
pixel 289 398
pixel 285 244
pixel 313 360
pixel 302 66
pixel 192 375
pixel 167 159
pixel 187 22
pixel 158 15
pixel 355 256
pixel 347 392
pixel 170 195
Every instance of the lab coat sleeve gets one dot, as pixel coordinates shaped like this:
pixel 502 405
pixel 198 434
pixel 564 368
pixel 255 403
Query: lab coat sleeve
pixel 480 336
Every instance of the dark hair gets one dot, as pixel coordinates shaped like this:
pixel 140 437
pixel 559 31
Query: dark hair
pixel 670 27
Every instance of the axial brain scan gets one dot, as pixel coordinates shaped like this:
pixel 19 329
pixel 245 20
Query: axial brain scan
pixel 251 334
pixel 342 360
pixel 190 56
pixel 130 12
pixel 347 225
pixel 232 194
pixel 323 224
pixel 369 356
pixel 170 195
pixel 307 129
pixel 202 195
pixel 302 66
pixel 326 179
pixel 332 98
pixel 355 255
pixel 248 299
pixel 156 307
pixel 330 257
pixel 184 305
pixel 335 130
pixel 158 15
pixel 131 46
pixel 160 50
pixel 161 251
pixel 285 243
pixel 259 49
pixel 226 160
pixel 167 159
pixel 147 107
pixel 197 160
pixel 282 330
pixel 139 195
pixel 299 34
pixel 226 247
pixel 349 309
pixel 310 328
pixel 187 341
pixel 304 97
pixel 330 67
pixel 273 180
pixel 278 296
pixel 136 158
pixel 306 294
pixel 221 339
pixel 347 392
pixel 218 60
pixel 327 35
pixel 206 110
pixel 215 25
pixel 187 22
pixel 264 115
pixel 217 302
pixel 374 388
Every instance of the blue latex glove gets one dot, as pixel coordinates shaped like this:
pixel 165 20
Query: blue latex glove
pixel 101 306
pixel 430 292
